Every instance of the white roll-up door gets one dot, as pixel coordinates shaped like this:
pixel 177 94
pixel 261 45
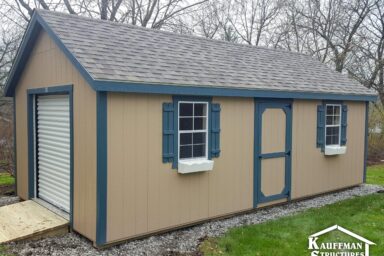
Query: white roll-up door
pixel 53 150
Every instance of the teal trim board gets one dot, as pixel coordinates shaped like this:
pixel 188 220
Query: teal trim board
pixel 260 106
pixel 366 141
pixel 101 201
pixel 221 91
pixel 14 144
pixel 31 145
pixel 31 115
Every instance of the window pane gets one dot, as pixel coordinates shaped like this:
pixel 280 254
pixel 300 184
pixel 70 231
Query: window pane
pixel 185 138
pixel 332 131
pixel 336 120
pixel 336 110
pixel 199 150
pixel 186 109
pixel 332 140
pixel 185 152
pixel 186 123
pixel 200 123
pixel 329 110
pixel 329 120
pixel 199 138
pixel 335 140
pixel 332 135
pixel 200 109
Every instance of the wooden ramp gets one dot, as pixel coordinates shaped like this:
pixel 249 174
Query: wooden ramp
pixel 29 220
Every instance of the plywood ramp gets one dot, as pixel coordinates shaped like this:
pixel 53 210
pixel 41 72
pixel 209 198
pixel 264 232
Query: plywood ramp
pixel 29 220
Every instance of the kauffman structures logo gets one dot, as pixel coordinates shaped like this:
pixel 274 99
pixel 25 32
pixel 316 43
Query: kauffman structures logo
pixel 358 248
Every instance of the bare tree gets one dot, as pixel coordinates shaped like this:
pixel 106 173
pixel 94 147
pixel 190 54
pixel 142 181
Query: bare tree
pixel 252 18
pixel 367 64
pixel 337 22
pixel 146 13
pixel 8 46
pixel 207 20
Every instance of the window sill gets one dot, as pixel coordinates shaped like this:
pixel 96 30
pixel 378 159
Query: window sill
pixel 195 165
pixel 335 150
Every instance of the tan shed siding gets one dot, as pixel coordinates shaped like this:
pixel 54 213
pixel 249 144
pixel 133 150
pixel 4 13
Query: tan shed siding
pixel 144 195
pixel 48 66
pixel 272 176
pixel 273 131
pixel 314 173
pixel 231 182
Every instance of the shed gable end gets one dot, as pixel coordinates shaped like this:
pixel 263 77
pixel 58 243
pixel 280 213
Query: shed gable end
pixel 35 27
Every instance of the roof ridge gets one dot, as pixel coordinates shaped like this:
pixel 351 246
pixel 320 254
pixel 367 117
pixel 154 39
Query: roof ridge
pixel 172 33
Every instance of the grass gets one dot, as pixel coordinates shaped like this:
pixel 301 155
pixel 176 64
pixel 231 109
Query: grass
pixel 375 174
pixel 6 179
pixel 289 235
pixel 2 251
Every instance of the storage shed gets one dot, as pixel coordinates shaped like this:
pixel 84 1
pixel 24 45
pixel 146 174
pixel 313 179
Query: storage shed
pixel 132 131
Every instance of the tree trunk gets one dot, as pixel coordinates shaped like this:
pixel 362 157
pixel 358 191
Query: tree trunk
pixel 104 9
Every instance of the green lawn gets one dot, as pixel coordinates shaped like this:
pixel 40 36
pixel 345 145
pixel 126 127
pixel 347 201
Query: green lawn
pixel 375 174
pixel 289 235
pixel 6 179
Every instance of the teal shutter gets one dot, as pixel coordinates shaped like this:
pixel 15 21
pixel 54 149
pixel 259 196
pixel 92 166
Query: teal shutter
pixel 344 112
pixel 320 138
pixel 215 130
pixel 168 133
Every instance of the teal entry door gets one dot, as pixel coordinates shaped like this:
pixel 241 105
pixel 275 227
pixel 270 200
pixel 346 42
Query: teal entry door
pixel 273 133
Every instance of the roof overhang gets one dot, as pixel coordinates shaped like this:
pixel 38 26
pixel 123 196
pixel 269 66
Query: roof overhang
pixel 37 24
pixel 111 86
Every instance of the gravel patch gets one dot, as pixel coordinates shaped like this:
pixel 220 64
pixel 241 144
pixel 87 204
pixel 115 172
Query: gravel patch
pixel 5 200
pixel 181 242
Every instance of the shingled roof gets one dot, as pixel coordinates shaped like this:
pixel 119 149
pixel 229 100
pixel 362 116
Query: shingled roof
pixel 117 52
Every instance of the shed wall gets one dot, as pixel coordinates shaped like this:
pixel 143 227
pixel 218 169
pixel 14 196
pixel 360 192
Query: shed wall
pixel 145 195
pixel 314 173
pixel 47 66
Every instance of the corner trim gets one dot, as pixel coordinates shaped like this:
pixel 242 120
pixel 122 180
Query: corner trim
pixel 366 141
pixel 14 144
pixel 101 201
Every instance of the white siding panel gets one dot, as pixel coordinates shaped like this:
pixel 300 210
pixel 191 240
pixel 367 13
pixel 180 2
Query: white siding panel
pixel 53 150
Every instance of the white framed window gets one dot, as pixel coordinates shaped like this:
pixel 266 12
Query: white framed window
pixel 192 130
pixel 332 124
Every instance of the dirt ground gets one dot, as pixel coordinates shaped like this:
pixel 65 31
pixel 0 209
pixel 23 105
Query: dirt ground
pixel 7 190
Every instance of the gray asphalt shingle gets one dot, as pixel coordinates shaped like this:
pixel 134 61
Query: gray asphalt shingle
pixel 121 52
